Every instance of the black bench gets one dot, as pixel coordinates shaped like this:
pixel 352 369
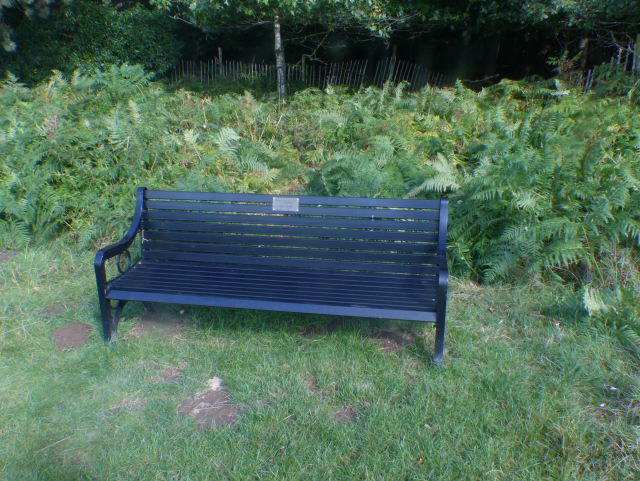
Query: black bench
pixel 377 258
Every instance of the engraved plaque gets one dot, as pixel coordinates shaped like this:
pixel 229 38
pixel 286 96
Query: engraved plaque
pixel 287 204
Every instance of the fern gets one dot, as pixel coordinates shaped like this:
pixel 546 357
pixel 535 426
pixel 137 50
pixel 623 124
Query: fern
pixel 541 176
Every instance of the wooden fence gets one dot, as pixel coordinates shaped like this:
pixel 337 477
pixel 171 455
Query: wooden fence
pixel 313 74
pixel 599 74
pixel 210 72
pixel 624 63
pixel 396 71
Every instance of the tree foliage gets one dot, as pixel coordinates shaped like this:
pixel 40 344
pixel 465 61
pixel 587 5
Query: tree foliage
pixel 377 16
pixel 91 35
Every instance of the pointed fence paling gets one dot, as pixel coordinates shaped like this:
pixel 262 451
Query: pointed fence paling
pixel 313 74
pixel 211 72
pixel 393 70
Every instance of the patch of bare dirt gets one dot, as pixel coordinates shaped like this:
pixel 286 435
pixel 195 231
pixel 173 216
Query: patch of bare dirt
pixel 71 335
pixel 392 340
pixel 6 256
pixel 210 407
pixel 79 459
pixel 312 386
pixel 170 374
pixel 156 324
pixel 346 414
pixel 127 404
pixel 314 330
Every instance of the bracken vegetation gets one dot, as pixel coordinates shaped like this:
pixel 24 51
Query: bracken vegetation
pixel 543 178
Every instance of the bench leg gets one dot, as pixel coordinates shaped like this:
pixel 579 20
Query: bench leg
pixel 105 314
pixel 116 319
pixel 110 318
pixel 439 347
pixel 441 313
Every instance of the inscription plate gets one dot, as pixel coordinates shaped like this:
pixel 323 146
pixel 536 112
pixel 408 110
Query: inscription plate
pixel 287 204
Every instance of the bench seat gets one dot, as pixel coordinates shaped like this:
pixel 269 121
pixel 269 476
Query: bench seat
pixel 313 291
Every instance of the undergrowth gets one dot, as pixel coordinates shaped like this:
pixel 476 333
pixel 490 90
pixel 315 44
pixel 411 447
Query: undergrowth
pixel 543 179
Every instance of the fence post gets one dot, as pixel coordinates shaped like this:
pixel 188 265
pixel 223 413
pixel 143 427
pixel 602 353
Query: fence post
pixel 392 67
pixel 364 70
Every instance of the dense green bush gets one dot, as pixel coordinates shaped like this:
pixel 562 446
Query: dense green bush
pixel 91 35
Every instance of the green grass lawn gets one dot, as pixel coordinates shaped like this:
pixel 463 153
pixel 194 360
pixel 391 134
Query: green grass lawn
pixel 520 396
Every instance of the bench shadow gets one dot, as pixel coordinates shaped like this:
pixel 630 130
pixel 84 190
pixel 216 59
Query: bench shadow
pixel 390 336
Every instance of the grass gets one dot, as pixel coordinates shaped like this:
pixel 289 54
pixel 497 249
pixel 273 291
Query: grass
pixel 519 397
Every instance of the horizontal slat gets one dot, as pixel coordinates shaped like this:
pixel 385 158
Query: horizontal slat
pixel 392 289
pixel 309 200
pixel 290 231
pixel 283 262
pixel 281 252
pixel 306 308
pixel 310 289
pixel 281 219
pixel 280 241
pixel 318 286
pixel 308 211
pixel 365 279
pixel 252 291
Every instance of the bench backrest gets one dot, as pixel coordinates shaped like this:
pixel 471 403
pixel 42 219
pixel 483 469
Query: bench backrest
pixel 376 235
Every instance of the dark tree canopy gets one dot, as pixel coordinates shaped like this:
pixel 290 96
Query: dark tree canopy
pixel 91 35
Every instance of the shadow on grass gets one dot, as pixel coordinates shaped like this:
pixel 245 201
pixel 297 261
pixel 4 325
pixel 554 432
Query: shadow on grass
pixel 389 336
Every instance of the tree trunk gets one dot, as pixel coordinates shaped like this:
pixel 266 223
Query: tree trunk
pixel 427 50
pixel 282 85
pixel 636 57
pixel 492 56
pixel 584 50
pixel 463 69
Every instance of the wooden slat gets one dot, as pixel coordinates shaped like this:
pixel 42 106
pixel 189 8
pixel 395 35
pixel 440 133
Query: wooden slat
pixel 423 316
pixel 259 295
pixel 289 231
pixel 390 290
pixel 284 262
pixel 300 274
pixel 298 253
pixel 271 292
pixel 280 241
pixel 310 211
pixel 304 200
pixel 219 274
pixel 282 219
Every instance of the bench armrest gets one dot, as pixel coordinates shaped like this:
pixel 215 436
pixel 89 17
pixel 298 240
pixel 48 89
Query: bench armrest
pixel 121 246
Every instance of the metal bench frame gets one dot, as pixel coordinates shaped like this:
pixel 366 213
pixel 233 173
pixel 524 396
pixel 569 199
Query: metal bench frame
pixel 376 258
